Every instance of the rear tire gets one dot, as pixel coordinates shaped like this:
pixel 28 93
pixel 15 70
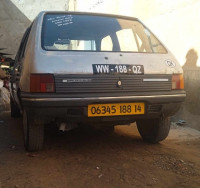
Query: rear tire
pixel 33 133
pixel 14 110
pixel 154 130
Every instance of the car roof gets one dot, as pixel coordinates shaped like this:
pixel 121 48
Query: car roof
pixel 87 13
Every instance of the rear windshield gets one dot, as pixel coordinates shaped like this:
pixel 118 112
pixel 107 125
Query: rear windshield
pixel 64 32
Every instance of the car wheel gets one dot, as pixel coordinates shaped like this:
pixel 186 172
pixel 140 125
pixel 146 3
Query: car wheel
pixel 14 110
pixel 33 133
pixel 153 130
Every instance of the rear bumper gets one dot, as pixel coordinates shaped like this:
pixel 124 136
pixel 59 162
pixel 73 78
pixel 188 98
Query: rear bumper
pixel 33 100
pixel 75 108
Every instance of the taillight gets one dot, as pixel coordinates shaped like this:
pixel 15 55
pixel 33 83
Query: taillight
pixel 177 81
pixel 42 83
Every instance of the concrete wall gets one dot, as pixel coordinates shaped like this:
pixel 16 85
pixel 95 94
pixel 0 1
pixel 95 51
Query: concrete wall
pixel 16 16
pixel 190 109
pixel 12 26
pixel 178 29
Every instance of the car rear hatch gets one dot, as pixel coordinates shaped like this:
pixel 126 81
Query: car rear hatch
pixel 89 53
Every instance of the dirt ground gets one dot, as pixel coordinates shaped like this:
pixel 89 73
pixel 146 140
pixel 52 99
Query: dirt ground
pixel 91 158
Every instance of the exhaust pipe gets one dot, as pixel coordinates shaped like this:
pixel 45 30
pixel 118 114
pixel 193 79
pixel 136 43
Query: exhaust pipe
pixel 67 126
pixel 62 127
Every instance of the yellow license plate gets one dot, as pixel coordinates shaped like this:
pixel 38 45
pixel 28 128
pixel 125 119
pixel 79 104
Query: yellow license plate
pixel 116 109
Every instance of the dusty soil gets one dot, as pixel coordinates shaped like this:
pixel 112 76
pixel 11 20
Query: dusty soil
pixel 87 157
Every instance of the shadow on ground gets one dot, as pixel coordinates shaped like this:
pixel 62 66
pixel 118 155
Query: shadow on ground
pixel 87 157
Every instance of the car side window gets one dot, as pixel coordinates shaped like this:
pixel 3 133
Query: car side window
pixel 20 53
pixel 24 46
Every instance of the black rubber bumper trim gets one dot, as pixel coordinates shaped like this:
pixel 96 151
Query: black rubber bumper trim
pixel 66 102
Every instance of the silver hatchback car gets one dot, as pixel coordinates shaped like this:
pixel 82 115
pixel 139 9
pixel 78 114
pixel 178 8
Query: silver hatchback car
pixel 75 68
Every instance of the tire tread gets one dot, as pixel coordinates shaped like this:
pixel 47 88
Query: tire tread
pixel 33 133
pixel 154 130
pixel 35 137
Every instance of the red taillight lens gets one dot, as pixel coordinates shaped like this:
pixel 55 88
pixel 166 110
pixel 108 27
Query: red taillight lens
pixel 177 81
pixel 42 83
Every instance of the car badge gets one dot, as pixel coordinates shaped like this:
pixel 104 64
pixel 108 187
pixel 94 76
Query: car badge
pixel 119 83
pixel 76 80
pixel 170 63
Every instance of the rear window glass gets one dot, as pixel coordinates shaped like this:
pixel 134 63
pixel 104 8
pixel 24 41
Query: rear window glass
pixel 63 32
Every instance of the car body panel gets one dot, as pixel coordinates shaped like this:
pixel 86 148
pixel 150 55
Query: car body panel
pixel 65 65
pixel 39 60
